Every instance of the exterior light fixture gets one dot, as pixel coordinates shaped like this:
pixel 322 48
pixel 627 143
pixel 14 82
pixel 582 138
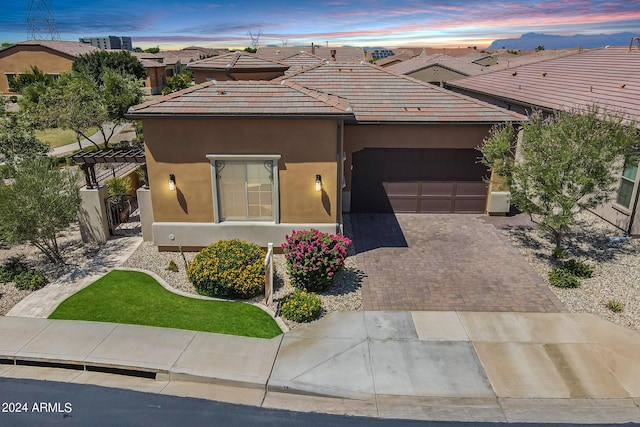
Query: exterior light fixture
pixel 318 183
pixel 172 182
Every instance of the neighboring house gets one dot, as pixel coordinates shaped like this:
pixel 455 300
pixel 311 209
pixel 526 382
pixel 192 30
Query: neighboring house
pixel 436 69
pixel 109 42
pixel 606 77
pixel 256 160
pixel 481 58
pixel 156 70
pixel 52 57
pixel 56 57
pixel 339 54
pixel 236 66
pixel 375 53
pixel 391 60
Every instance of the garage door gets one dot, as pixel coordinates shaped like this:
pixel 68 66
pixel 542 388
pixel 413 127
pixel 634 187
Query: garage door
pixel 418 180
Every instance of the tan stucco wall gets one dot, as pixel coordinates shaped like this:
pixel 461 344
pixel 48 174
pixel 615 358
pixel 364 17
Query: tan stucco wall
pixel 180 147
pixel 20 61
pixel 358 137
pixel 436 74
pixel 155 80
pixel 201 76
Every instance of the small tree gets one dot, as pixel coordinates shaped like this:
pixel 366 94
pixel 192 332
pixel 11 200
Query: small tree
pixel 564 163
pixel 95 63
pixel 178 82
pixel 17 140
pixel 19 82
pixel 39 203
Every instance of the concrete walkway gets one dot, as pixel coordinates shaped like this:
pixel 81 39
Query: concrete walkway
pixel 466 366
pixel 43 302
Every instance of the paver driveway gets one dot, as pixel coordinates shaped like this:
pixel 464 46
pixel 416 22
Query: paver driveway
pixel 444 262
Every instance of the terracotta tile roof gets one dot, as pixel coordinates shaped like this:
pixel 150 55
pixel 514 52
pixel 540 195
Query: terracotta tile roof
pixel 244 98
pixel 343 54
pixel 509 60
pixel 73 49
pixel 300 61
pixel 237 61
pixel 607 77
pixel 379 95
pixel 392 59
pixel 421 62
pixel 474 56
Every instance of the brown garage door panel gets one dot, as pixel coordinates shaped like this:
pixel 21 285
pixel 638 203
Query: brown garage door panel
pixel 417 180
pixel 436 197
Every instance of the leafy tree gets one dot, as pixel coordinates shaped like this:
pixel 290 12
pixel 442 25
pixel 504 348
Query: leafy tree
pixel 5 44
pixel 94 64
pixel 41 201
pixel 539 48
pixel 119 91
pixel 76 102
pixel 178 82
pixel 565 163
pixel 152 50
pixel 250 49
pixel 17 139
pixel 19 82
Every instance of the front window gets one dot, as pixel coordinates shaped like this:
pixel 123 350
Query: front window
pixel 245 187
pixel 627 182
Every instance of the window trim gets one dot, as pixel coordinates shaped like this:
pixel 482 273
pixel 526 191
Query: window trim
pixel 633 182
pixel 274 158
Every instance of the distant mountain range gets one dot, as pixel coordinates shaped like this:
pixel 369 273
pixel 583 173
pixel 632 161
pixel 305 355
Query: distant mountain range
pixel 533 40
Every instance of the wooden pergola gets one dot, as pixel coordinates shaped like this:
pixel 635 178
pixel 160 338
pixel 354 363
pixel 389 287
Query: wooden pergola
pixel 88 160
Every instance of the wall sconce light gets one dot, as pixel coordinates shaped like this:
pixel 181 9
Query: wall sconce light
pixel 318 183
pixel 172 182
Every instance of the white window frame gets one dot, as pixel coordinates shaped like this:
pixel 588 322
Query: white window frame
pixel 633 183
pixel 274 158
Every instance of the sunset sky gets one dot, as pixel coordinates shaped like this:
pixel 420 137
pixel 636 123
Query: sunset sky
pixel 339 22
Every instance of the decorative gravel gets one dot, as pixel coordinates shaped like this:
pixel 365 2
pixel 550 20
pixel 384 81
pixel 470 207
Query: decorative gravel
pixel 74 251
pixel 344 294
pixel 616 265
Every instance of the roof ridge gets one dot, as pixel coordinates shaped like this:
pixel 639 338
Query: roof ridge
pixel 332 100
pixel 303 70
pixel 172 95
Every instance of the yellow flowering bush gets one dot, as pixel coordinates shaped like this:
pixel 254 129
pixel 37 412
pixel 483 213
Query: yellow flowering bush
pixel 228 268
pixel 301 306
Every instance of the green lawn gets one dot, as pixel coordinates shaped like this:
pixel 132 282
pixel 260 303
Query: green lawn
pixel 59 137
pixel 137 298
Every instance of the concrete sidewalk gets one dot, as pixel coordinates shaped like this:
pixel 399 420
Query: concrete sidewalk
pixel 465 366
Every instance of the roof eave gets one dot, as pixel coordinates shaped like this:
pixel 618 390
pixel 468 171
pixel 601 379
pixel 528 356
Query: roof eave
pixel 138 116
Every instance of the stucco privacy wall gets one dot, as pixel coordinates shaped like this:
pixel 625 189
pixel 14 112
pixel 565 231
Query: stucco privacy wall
pixel 180 146
pixel 21 61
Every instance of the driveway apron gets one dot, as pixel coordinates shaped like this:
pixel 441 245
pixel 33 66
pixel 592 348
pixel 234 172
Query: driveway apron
pixel 444 263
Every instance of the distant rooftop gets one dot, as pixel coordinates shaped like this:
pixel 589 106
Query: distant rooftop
pixel 73 49
pixel 237 61
pixel 342 54
pixel 421 62
pixel 607 77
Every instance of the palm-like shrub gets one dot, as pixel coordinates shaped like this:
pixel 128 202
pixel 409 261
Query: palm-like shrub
pixel 228 268
pixel 314 259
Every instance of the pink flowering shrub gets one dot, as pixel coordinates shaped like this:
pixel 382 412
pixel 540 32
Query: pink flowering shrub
pixel 314 259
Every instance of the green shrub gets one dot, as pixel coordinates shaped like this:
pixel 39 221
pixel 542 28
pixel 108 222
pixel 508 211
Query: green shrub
pixel 578 268
pixel 228 268
pixel 563 279
pixel 172 266
pixel 558 253
pixel 615 306
pixel 301 306
pixel 11 268
pixel 30 280
pixel 314 259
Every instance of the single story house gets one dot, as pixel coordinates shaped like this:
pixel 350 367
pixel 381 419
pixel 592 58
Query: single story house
pixel 256 160
pixel 55 57
pixel 51 56
pixel 437 69
pixel 236 66
pixel 606 77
